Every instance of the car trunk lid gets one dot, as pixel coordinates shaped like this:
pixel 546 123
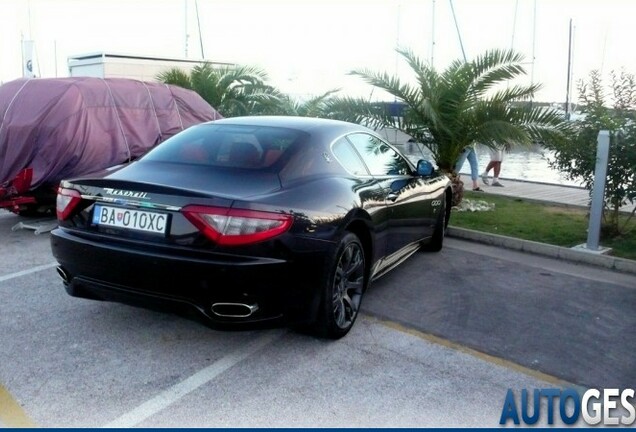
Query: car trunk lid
pixel 143 200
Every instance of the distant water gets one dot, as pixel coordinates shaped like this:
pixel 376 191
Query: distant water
pixel 522 164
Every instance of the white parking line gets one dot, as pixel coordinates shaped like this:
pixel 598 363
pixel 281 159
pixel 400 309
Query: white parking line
pixel 176 392
pixel 26 272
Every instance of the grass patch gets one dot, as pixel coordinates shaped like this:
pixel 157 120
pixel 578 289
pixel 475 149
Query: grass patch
pixel 544 223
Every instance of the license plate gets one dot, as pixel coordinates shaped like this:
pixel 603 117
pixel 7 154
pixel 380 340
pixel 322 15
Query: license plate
pixel 139 220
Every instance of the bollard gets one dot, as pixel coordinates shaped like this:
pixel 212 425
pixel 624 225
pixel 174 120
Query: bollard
pixel 600 174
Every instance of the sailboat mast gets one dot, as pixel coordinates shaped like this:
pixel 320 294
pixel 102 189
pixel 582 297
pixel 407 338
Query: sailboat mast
pixel 397 37
pixel 433 33
pixel 185 25
pixel 514 25
pixel 534 41
pixel 459 35
pixel 567 91
pixel 196 6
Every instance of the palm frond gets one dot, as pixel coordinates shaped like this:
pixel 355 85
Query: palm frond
pixel 515 93
pixel 463 104
pixel 175 76
pixel 232 90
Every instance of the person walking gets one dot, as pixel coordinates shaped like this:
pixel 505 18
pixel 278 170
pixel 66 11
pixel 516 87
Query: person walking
pixel 470 154
pixel 496 158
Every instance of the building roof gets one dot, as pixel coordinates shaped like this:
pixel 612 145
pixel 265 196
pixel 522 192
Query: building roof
pixel 104 55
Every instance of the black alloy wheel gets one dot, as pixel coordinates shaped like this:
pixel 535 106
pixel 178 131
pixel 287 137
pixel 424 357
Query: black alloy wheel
pixel 344 289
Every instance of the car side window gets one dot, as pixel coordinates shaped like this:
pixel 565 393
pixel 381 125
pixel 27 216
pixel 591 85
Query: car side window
pixel 348 157
pixel 381 159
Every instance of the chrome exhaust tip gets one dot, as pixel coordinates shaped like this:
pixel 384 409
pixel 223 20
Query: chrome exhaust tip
pixel 234 310
pixel 62 274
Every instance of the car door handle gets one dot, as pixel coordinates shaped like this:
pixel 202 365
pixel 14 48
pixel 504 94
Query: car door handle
pixel 392 196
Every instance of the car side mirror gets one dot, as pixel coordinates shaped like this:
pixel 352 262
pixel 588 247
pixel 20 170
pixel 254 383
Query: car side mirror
pixel 425 168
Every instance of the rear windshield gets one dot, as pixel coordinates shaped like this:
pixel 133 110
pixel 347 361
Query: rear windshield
pixel 232 146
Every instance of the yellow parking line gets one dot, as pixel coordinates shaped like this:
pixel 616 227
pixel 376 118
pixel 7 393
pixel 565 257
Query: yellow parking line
pixel 11 413
pixel 483 356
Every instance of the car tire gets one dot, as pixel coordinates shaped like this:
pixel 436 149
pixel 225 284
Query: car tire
pixel 342 289
pixel 437 240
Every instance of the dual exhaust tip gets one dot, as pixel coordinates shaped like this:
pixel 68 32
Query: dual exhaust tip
pixel 225 310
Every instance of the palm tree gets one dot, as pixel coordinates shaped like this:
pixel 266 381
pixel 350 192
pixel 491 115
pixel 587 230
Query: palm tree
pixel 464 104
pixel 231 90
pixel 316 106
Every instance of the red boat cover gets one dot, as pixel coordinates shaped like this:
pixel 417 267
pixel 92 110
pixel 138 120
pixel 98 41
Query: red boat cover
pixel 66 127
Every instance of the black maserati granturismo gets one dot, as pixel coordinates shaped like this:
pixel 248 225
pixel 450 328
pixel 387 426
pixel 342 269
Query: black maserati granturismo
pixel 251 219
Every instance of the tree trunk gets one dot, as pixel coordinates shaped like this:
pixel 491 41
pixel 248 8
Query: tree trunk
pixel 458 187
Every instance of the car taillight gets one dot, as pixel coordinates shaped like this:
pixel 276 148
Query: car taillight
pixel 67 200
pixel 233 227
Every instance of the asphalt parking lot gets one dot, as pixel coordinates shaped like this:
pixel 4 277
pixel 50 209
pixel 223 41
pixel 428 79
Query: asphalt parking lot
pixel 439 342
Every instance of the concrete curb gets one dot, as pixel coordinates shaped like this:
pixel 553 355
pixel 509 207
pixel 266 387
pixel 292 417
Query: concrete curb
pixel 558 252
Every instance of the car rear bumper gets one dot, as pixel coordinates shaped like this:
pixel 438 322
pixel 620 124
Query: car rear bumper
pixel 222 288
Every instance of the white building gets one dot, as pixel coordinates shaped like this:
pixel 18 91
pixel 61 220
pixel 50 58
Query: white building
pixel 144 68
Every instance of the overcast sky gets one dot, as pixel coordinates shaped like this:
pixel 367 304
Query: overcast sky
pixel 308 46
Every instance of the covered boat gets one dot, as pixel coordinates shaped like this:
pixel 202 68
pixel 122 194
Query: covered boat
pixel 56 128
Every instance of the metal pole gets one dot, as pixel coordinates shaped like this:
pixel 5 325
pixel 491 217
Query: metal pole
pixel 514 26
pixel 196 6
pixel 534 42
pixel 567 90
pixel 185 26
pixel 55 55
pixel 600 174
pixel 459 35
pixel 397 38
pixel 433 34
pixel 22 51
